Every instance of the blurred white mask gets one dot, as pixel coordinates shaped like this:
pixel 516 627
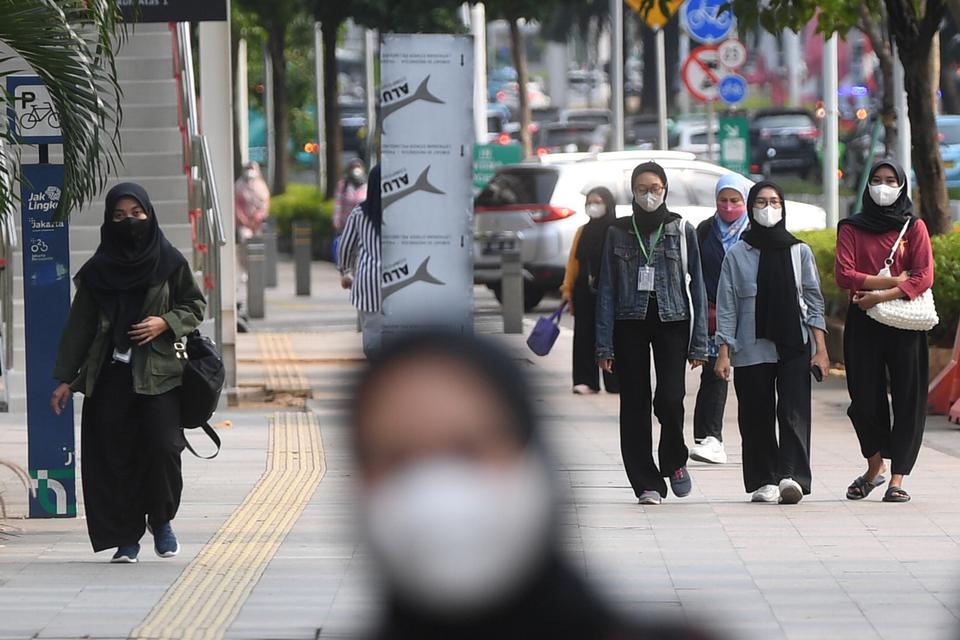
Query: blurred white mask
pixel 768 216
pixel 884 195
pixel 596 210
pixel 454 536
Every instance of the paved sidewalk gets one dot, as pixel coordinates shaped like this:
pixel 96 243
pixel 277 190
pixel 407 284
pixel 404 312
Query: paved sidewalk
pixel 826 568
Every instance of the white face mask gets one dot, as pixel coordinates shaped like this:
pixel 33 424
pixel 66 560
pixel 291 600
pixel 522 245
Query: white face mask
pixel 596 210
pixel 768 216
pixel 453 536
pixel 648 201
pixel 884 195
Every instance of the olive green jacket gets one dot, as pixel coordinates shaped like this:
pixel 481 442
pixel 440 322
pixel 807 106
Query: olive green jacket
pixel 156 367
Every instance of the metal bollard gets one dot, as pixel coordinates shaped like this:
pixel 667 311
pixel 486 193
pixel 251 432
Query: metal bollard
pixel 511 285
pixel 302 247
pixel 256 278
pixel 269 235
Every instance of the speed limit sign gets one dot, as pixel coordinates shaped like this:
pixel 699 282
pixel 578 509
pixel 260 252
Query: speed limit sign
pixel 732 53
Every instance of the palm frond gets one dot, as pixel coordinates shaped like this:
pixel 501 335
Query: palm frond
pixel 70 45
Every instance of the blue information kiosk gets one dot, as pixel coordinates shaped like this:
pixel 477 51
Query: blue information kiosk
pixel 46 301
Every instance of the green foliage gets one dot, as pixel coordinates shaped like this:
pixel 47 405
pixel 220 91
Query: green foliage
pixel 302 202
pixel 409 16
pixel 835 16
pixel 946 285
pixel 71 46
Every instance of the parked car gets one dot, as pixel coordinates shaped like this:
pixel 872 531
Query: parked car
pixel 498 116
pixel 571 137
pixel 692 137
pixel 784 140
pixel 546 115
pixel 643 131
pixel 587 88
pixel 541 201
pixel 496 81
pixel 949 129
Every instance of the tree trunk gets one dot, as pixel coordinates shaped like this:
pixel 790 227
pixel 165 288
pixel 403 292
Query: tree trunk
pixel 276 44
pixel 879 38
pixel 520 61
pixel 671 38
pixel 948 82
pixel 648 92
pixel 331 108
pixel 927 163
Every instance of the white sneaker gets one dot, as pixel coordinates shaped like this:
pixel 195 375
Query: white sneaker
pixel 709 450
pixel 766 493
pixel 583 390
pixel 790 491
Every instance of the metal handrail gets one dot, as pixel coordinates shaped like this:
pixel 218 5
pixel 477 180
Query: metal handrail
pixel 206 213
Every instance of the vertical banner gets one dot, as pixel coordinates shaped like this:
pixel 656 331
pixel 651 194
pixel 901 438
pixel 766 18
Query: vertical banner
pixel 426 115
pixel 46 302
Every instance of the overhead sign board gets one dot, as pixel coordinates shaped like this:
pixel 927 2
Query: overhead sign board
pixel 174 10
pixel 652 11
pixel 705 20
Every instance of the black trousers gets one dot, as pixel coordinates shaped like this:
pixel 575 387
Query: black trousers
pixel 769 394
pixel 877 355
pixel 711 401
pixel 585 369
pixel 130 452
pixel 632 340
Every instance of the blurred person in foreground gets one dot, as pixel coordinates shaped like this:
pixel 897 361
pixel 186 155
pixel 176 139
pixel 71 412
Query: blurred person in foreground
pixel 351 191
pixel 251 201
pixel 579 290
pixel 358 259
pixel 459 505
pixel 716 236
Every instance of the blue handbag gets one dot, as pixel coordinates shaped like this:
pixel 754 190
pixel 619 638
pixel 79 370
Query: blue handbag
pixel 545 332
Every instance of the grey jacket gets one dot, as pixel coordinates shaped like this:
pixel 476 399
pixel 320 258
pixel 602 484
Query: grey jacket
pixel 618 298
pixel 737 305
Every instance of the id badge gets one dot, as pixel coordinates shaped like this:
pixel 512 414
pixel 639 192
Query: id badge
pixel 122 356
pixel 713 349
pixel 645 279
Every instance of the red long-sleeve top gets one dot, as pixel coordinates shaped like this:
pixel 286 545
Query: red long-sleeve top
pixel 861 253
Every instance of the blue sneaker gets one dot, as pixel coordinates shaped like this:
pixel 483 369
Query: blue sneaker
pixel 164 542
pixel 126 554
pixel 681 483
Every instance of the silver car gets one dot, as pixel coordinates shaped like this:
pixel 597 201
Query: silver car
pixel 542 204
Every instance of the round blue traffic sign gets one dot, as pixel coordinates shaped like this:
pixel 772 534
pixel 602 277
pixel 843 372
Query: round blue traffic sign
pixel 705 22
pixel 733 89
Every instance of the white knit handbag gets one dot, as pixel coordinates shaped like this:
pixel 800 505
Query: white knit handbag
pixel 919 314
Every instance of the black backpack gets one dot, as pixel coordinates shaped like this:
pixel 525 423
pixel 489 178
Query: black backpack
pixel 203 378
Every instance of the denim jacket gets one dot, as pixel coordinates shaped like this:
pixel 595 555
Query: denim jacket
pixel 618 298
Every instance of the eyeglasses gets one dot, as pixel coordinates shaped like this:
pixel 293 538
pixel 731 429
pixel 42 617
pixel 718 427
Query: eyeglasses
pixel 642 191
pixel 776 203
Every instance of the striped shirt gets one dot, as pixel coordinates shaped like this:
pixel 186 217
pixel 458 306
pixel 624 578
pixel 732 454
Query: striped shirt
pixel 360 253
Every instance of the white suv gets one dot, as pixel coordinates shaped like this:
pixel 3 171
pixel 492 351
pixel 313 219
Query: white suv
pixel 542 202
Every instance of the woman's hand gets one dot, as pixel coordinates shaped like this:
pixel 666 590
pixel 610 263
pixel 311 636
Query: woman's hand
pixel 696 364
pixel 147 329
pixel 822 362
pixel 569 300
pixel 723 368
pixel 60 398
pixel 867 299
pixel 903 277
pixel 607 365
pixel 346 281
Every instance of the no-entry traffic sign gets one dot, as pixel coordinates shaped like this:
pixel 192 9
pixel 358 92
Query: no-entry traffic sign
pixel 702 73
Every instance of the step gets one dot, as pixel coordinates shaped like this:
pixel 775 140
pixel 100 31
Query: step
pixel 146 163
pixel 85 237
pixel 142 43
pixel 158 140
pixel 144 68
pixel 173 211
pixel 149 116
pixel 150 91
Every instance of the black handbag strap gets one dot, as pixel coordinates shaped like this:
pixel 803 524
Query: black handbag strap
pixel 207 429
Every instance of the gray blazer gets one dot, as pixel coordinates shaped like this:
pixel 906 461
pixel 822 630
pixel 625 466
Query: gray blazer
pixel 737 305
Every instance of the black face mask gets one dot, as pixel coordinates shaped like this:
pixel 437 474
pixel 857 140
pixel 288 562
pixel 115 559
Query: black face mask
pixel 131 233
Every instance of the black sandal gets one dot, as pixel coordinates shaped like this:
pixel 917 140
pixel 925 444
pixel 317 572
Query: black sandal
pixel 896 494
pixel 861 487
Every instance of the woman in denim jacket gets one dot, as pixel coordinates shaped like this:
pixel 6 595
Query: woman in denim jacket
pixel 769 319
pixel 651 293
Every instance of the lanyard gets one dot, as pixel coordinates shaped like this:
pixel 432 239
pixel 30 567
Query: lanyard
pixel 653 245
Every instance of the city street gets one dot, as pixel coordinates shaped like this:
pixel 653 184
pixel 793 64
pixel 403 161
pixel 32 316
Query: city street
pixel 269 548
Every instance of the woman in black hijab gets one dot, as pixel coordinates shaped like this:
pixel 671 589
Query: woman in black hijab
pixel 878 357
pixel 652 296
pixel 134 298
pixel 770 327
pixel 459 503
pixel 580 291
